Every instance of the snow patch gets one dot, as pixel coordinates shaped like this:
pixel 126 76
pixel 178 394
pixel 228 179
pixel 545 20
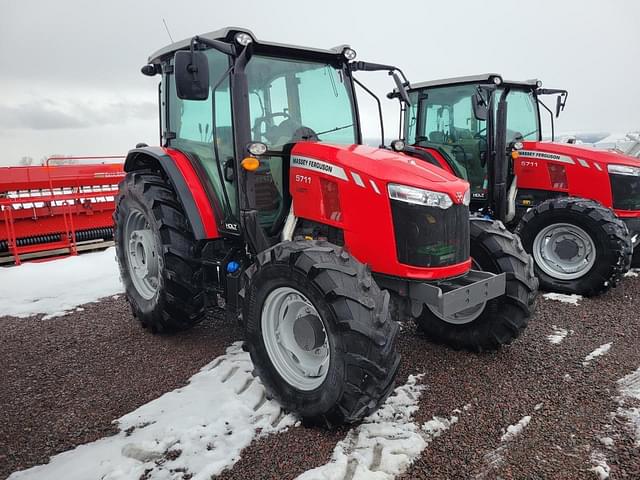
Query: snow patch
pixel 629 388
pixel 57 287
pixel 387 442
pixel 515 430
pixel 495 458
pixel 558 335
pixel 632 273
pixel 573 299
pixel 600 466
pixel 601 350
pixel 198 429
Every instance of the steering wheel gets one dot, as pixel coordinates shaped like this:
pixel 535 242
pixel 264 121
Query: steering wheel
pixel 305 134
pixel 422 138
pixel 257 125
pixel 478 134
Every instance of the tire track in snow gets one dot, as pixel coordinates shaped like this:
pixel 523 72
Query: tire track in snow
pixel 386 442
pixel 198 429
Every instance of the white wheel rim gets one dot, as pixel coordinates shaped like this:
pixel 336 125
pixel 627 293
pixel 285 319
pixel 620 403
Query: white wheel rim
pixel 144 260
pixel 295 338
pixel 564 251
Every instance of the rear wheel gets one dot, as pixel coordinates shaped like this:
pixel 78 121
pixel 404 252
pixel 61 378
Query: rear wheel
pixel 319 333
pixel 578 245
pixel 156 254
pixel 489 325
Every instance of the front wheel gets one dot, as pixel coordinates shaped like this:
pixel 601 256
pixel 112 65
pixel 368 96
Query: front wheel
pixel 156 254
pixel 579 246
pixel 489 325
pixel 319 333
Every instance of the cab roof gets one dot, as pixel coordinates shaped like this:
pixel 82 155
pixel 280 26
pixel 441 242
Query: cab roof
pixel 227 35
pixel 482 78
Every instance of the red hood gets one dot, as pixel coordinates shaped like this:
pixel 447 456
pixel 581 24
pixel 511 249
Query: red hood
pixel 584 152
pixel 384 165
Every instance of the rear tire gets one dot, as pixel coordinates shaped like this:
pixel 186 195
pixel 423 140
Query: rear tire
pixel 581 225
pixel 153 235
pixel 501 320
pixel 353 317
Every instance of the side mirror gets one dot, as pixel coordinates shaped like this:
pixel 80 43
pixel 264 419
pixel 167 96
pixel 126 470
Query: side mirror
pixel 559 105
pixel 401 88
pixel 480 109
pixel 192 75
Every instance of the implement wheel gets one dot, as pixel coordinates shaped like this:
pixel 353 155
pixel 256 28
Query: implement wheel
pixel 319 333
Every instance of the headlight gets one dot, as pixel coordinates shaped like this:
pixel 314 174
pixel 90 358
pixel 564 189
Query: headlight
pixel 624 170
pixel 349 54
pixel 243 39
pixel 418 196
pixel 257 148
pixel 398 145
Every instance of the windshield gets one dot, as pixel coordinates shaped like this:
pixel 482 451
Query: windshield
pixel 292 101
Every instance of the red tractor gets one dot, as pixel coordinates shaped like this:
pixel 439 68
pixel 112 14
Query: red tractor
pixel 576 209
pixel 263 196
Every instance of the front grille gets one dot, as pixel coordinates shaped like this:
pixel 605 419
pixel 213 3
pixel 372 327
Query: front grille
pixel 430 236
pixel 625 190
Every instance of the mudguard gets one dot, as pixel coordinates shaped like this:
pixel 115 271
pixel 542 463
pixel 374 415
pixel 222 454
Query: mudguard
pixel 186 183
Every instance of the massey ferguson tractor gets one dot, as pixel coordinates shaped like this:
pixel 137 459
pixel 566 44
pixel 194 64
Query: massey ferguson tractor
pixel 576 209
pixel 262 195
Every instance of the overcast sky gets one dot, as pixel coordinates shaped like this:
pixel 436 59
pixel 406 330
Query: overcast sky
pixel 70 79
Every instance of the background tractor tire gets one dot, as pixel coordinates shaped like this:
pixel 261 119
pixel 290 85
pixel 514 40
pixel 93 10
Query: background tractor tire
pixel 499 321
pixel 565 228
pixel 155 248
pixel 350 319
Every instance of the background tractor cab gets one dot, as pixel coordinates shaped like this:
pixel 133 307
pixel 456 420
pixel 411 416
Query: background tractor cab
pixel 488 131
pixel 263 196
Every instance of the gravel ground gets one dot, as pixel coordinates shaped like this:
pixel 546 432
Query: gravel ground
pixel 64 380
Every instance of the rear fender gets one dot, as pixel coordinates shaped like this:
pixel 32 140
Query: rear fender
pixel 185 182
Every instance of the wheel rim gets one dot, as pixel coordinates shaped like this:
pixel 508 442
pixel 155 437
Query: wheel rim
pixel 465 316
pixel 295 338
pixel 142 255
pixel 564 251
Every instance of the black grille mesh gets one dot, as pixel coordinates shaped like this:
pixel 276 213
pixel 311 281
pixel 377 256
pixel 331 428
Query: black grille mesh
pixel 430 236
pixel 626 192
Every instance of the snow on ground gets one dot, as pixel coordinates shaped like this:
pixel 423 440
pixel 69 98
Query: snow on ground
pixel 632 273
pixel 495 458
pixel 629 388
pixel 199 429
pixel 558 334
pixel 573 299
pixel 600 466
pixel 601 350
pixel 515 430
pixel 58 286
pixel 386 442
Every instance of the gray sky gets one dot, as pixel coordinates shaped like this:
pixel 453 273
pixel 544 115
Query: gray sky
pixel 70 79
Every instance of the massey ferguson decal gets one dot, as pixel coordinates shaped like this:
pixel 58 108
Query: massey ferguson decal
pixel 546 156
pixel 318 166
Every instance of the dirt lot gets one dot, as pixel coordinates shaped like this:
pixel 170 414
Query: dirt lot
pixel 65 379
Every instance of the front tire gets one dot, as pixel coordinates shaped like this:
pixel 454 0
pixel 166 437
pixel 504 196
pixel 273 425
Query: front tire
pixel 578 245
pixel 156 254
pixel 319 333
pixel 498 322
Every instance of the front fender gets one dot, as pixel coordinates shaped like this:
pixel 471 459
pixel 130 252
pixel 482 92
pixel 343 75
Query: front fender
pixel 185 182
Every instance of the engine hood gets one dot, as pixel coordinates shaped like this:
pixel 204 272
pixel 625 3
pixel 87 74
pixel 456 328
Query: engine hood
pixel 386 166
pixel 583 152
